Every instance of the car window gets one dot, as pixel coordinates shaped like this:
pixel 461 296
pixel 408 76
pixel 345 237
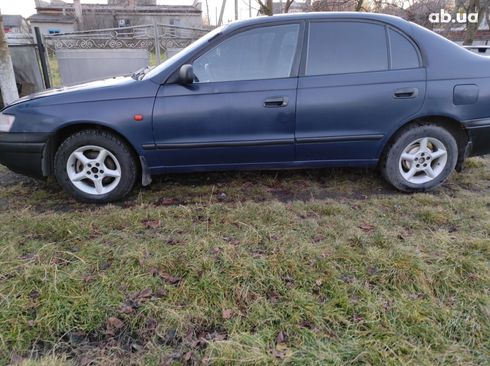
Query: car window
pixel 403 53
pixel 346 47
pixel 184 53
pixel 263 53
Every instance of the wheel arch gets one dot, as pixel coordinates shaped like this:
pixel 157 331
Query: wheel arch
pixel 452 125
pixel 69 129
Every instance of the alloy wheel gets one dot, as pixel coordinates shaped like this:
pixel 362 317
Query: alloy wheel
pixel 93 170
pixel 423 160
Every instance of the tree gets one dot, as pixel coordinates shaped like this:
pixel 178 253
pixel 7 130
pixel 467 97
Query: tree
pixel 338 5
pixel 474 6
pixel 417 11
pixel 7 76
pixel 267 7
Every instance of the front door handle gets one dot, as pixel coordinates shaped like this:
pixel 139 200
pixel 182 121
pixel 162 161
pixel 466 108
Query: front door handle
pixel 406 93
pixel 276 102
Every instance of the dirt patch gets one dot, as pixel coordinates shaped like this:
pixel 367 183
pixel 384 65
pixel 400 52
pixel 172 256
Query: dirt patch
pixel 342 184
pixel 9 178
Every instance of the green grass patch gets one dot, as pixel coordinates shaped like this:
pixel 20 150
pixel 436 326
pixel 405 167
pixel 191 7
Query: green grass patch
pixel 298 267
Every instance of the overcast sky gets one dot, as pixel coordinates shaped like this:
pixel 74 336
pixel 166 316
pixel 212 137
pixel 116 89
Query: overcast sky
pixel 27 8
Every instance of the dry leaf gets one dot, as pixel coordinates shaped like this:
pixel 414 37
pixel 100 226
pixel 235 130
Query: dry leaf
pixel 367 227
pixel 152 224
pixel 147 292
pixel 318 238
pixel 227 314
pixel 281 337
pixel 161 292
pixel 34 295
pixel 88 278
pixel 126 309
pixel 113 324
pixel 173 241
pixel 169 278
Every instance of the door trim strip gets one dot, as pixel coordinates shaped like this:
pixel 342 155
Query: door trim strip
pixel 307 140
pixel 193 145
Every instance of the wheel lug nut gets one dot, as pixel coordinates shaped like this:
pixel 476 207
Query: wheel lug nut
pixel 101 172
pixel 96 176
pixel 97 164
pixel 418 165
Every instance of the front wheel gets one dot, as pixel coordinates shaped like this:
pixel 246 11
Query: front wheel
pixel 420 159
pixel 95 166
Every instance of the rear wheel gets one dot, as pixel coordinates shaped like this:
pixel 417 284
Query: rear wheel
pixel 421 158
pixel 95 166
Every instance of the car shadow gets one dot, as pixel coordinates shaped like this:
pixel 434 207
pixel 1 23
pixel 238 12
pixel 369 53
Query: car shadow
pixel 202 188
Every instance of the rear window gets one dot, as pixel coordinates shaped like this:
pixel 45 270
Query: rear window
pixel 403 53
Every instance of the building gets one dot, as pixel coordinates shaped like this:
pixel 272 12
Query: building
pixel 56 16
pixel 23 53
pixel 15 24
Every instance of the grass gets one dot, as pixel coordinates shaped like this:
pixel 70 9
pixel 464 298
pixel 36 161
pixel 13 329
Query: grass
pixel 293 267
pixel 54 71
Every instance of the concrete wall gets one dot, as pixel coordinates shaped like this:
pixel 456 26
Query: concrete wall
pixel 80 65
pixel 100 21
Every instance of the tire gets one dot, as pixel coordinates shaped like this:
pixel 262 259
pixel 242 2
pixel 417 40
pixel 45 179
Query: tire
pixel 95 166
pixel 420 158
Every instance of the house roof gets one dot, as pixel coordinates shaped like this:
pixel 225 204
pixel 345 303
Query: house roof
pixel 43 8
pixel 52 18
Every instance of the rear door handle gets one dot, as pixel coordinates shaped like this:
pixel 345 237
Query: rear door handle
pixel 276 102
pixel 406 93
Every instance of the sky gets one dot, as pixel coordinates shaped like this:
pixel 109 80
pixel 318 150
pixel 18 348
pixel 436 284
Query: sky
pixel 27 7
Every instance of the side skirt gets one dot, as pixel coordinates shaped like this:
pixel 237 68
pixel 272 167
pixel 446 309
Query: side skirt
pixel 264 166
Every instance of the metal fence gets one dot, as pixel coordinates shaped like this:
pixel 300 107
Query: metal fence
pixel 156 38
pixel 483 50
pixel 95 54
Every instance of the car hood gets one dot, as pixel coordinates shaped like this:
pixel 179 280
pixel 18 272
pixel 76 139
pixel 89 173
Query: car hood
pixel 96 90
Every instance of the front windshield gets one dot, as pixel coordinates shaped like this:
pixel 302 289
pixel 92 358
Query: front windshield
pixel 197 44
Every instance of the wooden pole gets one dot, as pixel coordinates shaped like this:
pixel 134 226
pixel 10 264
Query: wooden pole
pixel 207 13
pixel 42 57
pixel 220 21
pixel 7 75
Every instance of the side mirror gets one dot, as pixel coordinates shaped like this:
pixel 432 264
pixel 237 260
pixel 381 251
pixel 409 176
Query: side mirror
pixel 186 74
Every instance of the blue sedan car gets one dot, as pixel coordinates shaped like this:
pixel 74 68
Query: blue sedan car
pixel 293 91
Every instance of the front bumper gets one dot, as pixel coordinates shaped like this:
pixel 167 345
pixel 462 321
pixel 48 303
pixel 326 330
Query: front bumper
pixel 23 152
pixel 479 136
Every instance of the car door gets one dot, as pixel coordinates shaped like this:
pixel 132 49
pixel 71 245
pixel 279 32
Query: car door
pixel 360 79
pixel 241 107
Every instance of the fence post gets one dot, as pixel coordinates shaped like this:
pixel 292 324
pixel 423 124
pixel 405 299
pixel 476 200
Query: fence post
pixel 157 42
pixel 42 56
pixel 7 75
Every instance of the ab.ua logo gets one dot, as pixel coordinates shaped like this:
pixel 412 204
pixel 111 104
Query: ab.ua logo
pixel 445 17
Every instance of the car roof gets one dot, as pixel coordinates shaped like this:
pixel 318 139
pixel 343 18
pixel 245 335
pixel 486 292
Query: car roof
pixel 390 19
